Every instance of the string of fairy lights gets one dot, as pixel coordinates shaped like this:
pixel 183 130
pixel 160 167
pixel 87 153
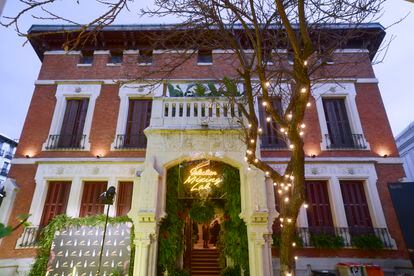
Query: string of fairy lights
pixel 285 187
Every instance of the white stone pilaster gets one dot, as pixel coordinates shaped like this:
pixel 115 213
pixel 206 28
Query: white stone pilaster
pixel 38 201
pixel 75 197
pixel 337 203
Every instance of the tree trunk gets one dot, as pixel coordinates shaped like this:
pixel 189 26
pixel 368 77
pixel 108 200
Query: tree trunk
pixel 286 254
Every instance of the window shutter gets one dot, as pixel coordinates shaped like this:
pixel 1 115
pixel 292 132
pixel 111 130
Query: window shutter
pixel 56 200
pixel 319 209
pixel 356 207
pixel 73 123
pixel 91 204
pixel 270 137
pixel 139 115
pixel 337 122
pixel 124 200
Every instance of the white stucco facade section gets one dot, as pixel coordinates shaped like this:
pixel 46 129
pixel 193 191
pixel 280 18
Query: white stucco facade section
pixel 67 91
pixel 343 90
pixel 77 174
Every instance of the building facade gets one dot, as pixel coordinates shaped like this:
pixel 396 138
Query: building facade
pixel 85 131
pixel 7 187
pixel 405 145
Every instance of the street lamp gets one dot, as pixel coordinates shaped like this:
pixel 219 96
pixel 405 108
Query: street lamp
pixel 107 198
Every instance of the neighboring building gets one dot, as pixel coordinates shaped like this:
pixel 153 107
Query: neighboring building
pixel 405 145
pixel 84 132
pixel 2 4
pixel 7 187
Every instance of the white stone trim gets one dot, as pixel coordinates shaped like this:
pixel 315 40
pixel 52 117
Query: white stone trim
pixel 114 81
pixel 340 159
pixel 134 90
pixel 204 63
pixel 346 91
pixel 84 65
pixel 15 266
pixel 131 52
pixel 19 161
pixel 61 52
pixel 174 51
pixel 101 52
pixel 351 51
pixel 113 64
pixel 6 207
pixel 65 91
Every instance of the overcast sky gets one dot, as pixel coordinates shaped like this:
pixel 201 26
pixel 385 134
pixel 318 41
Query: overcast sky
pixel 19 65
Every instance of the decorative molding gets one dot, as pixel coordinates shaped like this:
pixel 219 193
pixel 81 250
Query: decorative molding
pixel 61 52
pixel 24 161
pixel 339 159
pixel 64 91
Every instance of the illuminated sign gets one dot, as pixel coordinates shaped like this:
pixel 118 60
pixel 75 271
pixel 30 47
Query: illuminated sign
pixel 202 179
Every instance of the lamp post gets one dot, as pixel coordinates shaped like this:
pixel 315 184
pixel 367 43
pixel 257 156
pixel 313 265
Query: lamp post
pixel 107 198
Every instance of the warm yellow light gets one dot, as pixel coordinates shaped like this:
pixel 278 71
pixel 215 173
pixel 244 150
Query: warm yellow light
pixel 305 205
pixel 308 104
pixel 301 133
pixel 260 130
pixel 264 103
pixel 201 178
pixel 274 184
pixel 249 125
pixel 252 141
pixel 302 126
pixel 256 160
pixel 296 257
pixel 279 191
pixel 289 116
pixel 303 90
pixel 289 220
pixel 293 244
pixel 281 219
pixel 282 129
pixel 286 199
pixel 291 146
pixel 268 119
pixel 267 84
pixel 305 63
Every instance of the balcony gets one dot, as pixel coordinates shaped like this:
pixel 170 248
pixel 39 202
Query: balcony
pixel 137 141
pixel 4 172
pixel 353 141
pixel 29 238
pixel 8 155
pixel 346 235
pixel 195 113
pixel 1 152
pixel 65 142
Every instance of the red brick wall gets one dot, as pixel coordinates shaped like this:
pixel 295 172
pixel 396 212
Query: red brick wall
pixel 24 175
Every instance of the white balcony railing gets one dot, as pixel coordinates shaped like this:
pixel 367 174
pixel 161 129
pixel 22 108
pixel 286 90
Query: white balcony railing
pixel 195 113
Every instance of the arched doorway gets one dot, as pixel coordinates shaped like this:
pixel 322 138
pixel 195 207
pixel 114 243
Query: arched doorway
pixel 202 233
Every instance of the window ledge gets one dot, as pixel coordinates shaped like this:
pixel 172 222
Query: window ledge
pixel 113 64
pixel 144 64
pixel 128 149
pixel 84 64
pixel 204 63
pixel 65 149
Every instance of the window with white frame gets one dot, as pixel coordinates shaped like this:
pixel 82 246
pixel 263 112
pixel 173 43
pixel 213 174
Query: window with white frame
pixel 72 117
pixel 338 117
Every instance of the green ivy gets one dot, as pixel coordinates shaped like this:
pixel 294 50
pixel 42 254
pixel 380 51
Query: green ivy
pixel 367 242
pixel 327 241
pixel 231 271
pixel 233 235
pixel 61 222
pixel 202 211
pixel 277 239
pixel 171 238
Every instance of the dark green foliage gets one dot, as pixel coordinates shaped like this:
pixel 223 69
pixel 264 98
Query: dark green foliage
pixel 202 211
pixel 231 271
pixel 297 240
pixel 5 230
pixel 175 91
pixel 327 241
pixel 171 236
pixel 233 235
pixel 367 242
pixel 61 222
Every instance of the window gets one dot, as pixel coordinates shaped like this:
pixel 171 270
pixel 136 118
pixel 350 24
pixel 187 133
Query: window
pixel 124 198
pixel 4 170
pixel 319 209
pixel 71 133
pixel 91 204
pixel 339 131
pixel 86 57
pixel 139 116
pixel 270 137
pixel 205 56
pixel 116 57
pixel 356 207
pixel 145 57
pixel 56 200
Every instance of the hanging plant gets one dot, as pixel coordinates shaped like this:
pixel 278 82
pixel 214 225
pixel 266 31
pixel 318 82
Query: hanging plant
pixel 367 242
pixel 202 211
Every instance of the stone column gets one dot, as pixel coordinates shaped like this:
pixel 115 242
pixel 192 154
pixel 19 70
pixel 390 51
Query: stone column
pixel 75 197
pixel 260 254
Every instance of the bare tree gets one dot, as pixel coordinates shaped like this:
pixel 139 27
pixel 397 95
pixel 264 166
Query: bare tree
pixel 280 49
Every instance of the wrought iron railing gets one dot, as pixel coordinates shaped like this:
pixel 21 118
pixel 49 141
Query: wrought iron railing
pixel 3 172
pixel 65 142
pixel 127 141
pixel 29 238
pixel 346 234
pixel 353 141
pixel 8 155
pixel 272 142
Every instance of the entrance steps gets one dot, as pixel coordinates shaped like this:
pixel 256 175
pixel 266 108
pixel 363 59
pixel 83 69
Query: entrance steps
pixel 205 262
